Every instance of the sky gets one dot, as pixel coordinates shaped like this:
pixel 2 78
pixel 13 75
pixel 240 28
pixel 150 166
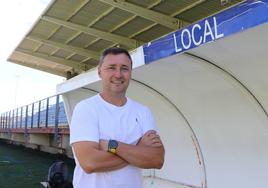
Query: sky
pixel 20 85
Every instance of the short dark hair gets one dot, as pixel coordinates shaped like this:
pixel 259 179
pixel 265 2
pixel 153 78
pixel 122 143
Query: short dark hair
pixel 114 51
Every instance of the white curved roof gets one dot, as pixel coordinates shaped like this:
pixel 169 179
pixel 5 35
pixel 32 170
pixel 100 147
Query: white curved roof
pixel 69 36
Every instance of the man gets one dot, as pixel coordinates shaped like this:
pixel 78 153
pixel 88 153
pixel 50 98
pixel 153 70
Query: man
pixel 112 136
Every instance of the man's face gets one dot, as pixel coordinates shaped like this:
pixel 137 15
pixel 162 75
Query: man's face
pixel 115 73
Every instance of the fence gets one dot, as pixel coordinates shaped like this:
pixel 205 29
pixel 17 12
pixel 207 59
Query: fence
pixel 48 112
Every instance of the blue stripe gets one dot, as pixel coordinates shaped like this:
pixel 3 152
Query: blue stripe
pixel 236 19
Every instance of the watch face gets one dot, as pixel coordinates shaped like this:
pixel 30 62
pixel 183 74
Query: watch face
pixel 113 144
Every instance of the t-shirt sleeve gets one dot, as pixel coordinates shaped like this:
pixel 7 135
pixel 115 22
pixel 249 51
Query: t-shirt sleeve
pixel 149 122
pixel 84 124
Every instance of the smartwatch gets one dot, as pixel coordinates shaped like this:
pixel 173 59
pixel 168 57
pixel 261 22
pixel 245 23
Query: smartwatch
pixel 112 146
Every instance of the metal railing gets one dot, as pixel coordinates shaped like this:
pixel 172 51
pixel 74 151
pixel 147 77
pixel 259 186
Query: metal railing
pixel 48 112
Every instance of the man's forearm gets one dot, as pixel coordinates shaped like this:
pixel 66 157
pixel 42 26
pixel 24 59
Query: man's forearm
pixel 95 160
pixel 148 153
pixel 105 161
pixel 142 156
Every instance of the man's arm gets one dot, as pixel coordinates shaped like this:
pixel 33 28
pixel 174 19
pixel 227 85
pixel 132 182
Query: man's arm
pixel 92 159
pixel 148 153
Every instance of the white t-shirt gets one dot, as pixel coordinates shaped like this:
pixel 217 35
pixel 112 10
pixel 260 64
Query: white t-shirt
pixel 95 119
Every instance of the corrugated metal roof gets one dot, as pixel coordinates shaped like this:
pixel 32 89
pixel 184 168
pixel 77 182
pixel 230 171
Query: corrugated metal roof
pixel 69 36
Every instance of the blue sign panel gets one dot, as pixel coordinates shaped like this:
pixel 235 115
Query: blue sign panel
pixel 236 19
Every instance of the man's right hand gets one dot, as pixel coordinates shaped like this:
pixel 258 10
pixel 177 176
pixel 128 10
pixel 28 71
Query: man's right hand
pixel 149 152
pixel 150 138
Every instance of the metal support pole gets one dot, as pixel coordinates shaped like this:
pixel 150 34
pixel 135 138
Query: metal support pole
pixel 47 112
pixel 32 115
pixel 13 119
pixel 5 120
pixel 57 109
pixel 9 117
pixel 26 119
pixel 38 118
pixel 9 124
pixel 21 111
pixel 1 123
pixel 17 113
pixel 2 120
